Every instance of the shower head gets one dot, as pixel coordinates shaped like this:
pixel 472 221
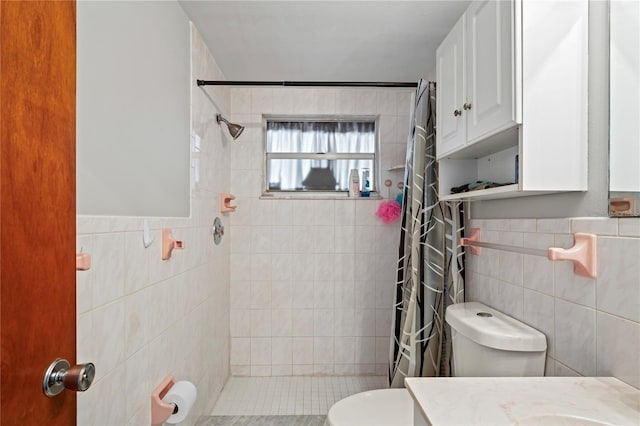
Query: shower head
pixel 234 129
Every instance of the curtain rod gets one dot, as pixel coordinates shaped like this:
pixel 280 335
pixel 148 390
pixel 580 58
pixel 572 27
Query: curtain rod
pixel 306 83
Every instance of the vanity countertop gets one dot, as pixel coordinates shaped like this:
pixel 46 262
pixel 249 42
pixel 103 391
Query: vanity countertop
pixel 525 400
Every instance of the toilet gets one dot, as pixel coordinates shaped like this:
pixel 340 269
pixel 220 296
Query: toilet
pixel 389 407
pixel 486 343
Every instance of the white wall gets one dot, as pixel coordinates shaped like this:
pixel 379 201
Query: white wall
pixel 141 318
pixel 312 281
pixel 592 325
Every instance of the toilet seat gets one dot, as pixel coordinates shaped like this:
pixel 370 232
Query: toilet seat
pixel 382 407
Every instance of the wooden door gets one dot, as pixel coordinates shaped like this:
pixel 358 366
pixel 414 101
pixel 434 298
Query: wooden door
pixel 490 105
pixel 450 124
pixel 37 207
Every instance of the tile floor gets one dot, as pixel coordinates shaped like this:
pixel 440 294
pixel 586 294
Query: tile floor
pixel 296 395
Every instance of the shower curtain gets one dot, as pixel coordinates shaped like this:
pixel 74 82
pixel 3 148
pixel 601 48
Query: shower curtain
pixel 430 259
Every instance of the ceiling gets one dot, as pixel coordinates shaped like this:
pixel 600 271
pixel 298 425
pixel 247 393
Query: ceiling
pixel 324 40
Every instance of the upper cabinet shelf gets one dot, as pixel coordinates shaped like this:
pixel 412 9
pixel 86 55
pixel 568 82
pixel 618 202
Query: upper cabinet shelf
pixel 512 99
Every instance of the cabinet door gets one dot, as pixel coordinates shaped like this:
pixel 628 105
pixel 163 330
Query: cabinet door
pixel 450 127
pixel 489 105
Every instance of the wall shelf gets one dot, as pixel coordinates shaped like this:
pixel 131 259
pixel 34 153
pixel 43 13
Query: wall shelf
pixel 506 191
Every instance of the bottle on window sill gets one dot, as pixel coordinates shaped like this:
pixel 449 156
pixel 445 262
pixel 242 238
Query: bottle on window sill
pixel 354 183
pixel 366 183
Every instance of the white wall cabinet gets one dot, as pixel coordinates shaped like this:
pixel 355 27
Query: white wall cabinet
pixel 450 62
pixel 518 88
pixel 624 72
pixel 490 105
pixel 476 77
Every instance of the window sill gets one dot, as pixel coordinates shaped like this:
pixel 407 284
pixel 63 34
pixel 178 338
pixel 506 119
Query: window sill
pixel 315 196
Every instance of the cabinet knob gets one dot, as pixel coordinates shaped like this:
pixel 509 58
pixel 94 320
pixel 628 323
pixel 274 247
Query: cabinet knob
pixel 466 107
pixel 457 113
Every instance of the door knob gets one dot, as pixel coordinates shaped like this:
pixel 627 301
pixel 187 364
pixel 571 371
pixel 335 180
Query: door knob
pixel 466 107
pixel 457 113
pixel 61 375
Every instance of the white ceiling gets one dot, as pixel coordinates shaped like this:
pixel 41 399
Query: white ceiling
pixel 324 40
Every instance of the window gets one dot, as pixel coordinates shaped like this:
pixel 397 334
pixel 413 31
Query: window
pixel 316 154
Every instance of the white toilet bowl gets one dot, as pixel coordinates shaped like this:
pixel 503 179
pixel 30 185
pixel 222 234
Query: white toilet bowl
pixel 382 407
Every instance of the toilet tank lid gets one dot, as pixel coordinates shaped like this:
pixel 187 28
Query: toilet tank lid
pixel 492 328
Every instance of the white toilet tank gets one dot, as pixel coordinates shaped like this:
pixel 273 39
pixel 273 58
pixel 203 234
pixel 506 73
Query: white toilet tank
pixel 488 343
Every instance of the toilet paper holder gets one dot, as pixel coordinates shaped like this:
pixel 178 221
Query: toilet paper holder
pixel 160 410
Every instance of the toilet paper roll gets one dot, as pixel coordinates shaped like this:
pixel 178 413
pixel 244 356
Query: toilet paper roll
pixel 183 394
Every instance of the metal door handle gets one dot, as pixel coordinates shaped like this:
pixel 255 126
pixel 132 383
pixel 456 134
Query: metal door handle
pixel 466 107
pixel 457 113
pixel 61 375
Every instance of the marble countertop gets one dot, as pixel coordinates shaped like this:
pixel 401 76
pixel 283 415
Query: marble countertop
pixel 526 400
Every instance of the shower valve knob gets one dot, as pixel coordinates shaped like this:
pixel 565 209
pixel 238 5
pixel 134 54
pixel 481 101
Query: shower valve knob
pixel 457 113
pixel 217 231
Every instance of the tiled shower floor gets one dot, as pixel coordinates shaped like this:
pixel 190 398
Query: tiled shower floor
pixel 297 395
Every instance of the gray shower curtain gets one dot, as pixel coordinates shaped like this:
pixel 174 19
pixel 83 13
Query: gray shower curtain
pixel 430 259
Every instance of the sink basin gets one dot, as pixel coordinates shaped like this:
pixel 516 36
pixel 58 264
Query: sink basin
pixel 554 420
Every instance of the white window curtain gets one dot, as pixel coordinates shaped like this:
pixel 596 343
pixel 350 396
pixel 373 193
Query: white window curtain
pixel 306 137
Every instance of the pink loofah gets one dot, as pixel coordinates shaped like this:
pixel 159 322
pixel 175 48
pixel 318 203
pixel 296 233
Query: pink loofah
pixel 389 211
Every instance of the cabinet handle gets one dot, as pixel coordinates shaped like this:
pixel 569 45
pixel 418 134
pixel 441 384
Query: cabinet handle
pixel 457 113
pixel 466 107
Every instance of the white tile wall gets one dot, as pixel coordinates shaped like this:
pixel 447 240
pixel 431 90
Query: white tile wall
pixel 592 325
pixel 141 318
pixel 312 278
